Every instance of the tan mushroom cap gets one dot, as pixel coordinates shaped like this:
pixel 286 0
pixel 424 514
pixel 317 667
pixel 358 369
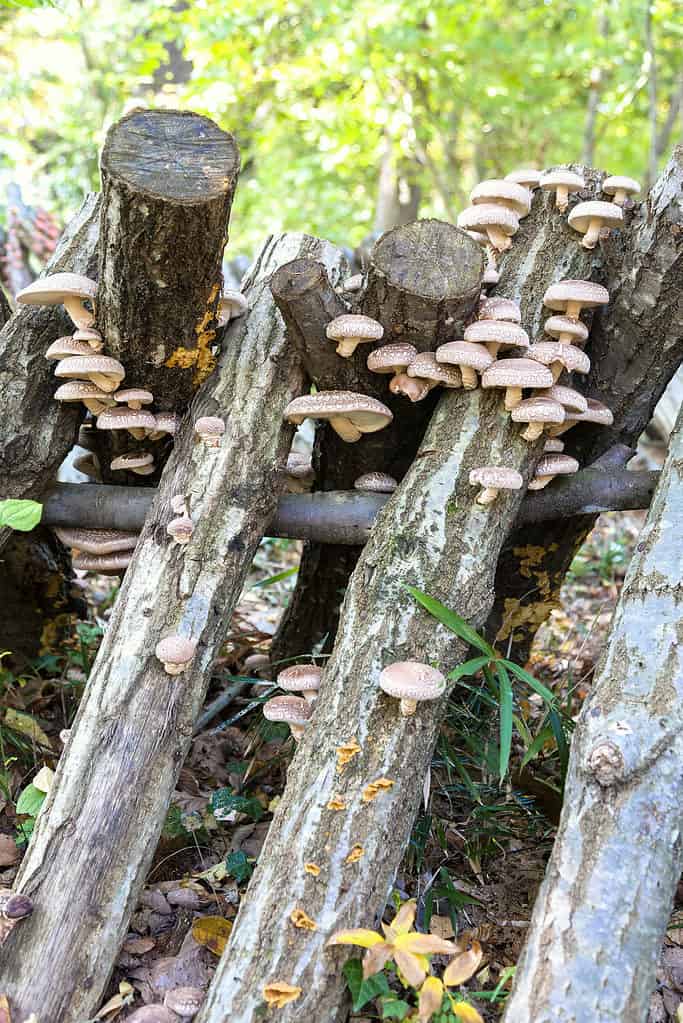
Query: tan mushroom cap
pixel 350 415
pixel 470 357
pixel 301 678
pixel 494 478
pixel 620 187
pixel 571 296
pixel 588 218
pixel 92 396
pixel 134 397
pixel 134 461
pixel 552 445
pixel 515 374
pixel 298 465
pixel 497 222
pixel 537 411
pixel 136 421
pixel 181 529
pixel 293 710
pixel 566 330
pixel 232 304
pixel 351 330
pixel 152 1014
pixel 104 564
pixel 526 176
pixel 96 541
pixel 186 1001
pixel 551 465
pixel 409 387
pixel 595 413
pixel 391 358
pixel 210 429
pixel 104 371
pixel 164 422
pixel 64 347
pixel 497 334
pixel 561 182
pixel 175 653
pixel 557 356
pixel 376 483
pixel 425 367
pixel 67 289
pixel 567 397
pixel 495 308
pixel 412 682
pixel 504 193
pixel 91 336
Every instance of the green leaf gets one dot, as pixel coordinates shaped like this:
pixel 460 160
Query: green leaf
pixel 238 866
pixel 505 718
pixel 363 991
pixel 30 801
pixel 272 579
pixel 560 738
pixel 468 668
pixel 533 683
pixel 452 621
pixel 536 746
pixel 22 516
pixel 392 1007
pixel 225 802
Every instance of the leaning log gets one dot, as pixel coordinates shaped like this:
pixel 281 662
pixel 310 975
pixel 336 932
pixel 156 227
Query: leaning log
pixel 96 836
pixel 604 905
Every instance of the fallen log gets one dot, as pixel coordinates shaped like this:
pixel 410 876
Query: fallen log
pixel 96 836
pixel 603 907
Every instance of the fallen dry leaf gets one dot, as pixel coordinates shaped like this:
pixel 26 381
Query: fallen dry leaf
pixel 356 854
pixel 9 854
pixel 302 920
pixel 346 753
pixel 279 993
pixel 212 932
pixel 43 780
pixel 4 1010
pixel 312 868
pixel 373 789
pixel 336 803
pixel 138 946
pixel 118 1002
pixel 441 926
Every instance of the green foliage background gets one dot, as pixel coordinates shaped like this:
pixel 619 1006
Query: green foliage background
pixel 315 90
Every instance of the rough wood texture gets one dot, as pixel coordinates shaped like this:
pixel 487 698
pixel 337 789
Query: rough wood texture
pixel 636 345
pixel 5 308
pixel 35 431
pixel 603 907
pixel 96 836
pixel 168 179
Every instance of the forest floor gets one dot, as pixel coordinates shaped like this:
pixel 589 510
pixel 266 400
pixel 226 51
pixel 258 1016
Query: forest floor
pixel 479 847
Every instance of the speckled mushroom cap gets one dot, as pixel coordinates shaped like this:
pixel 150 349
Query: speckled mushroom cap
pixel 152 1014
pixel 556 464
pixel 619 185
pixel 175 649
pixel 64 347
pixel 553 444
pixel 595 413
pixel 367 414
pixel 186 1001
pixel 391 358
pixel 96 541
pixel 425 367
pixel 104 564
pixel 80 390
pixel 551 180
pixel 527 177
pixel 517 373
pixel 498 332
pixel 505 193
pixel 181 529
pixel 52 290
pixel 608 213
pixel 232 304
pixel 586 293
pixel 498 477
pixel 352 329
pixel 376 483
pixel 165 422
pixel 300 678
pixel 410 680
pixel 557 326
pixel 572 358
pixel 465 353
pixel 104 371
pixel 299 466
pixel 132 460
pixel 479 218
pixel 124 418
pixel 293 710
pixel 495 308
pixel 209 426
pixel 567 397
pixel 92 336
pixel 539 409
pixel 135 397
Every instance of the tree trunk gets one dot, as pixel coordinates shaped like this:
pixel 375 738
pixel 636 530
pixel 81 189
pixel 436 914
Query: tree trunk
pixel 5 308
pixel 635 347
pixel 96 836
pixel 603 907
pixel 431 534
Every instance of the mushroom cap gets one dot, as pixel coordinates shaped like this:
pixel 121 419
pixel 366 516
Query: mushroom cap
pixel 79 390
pixel 567 397
pixel 556 464
pixel 96 541
pixel 527 176
pixel 166 422
pixel 186 1001
pixel 496 308
pixel 507 335
pixel 300 678
pixel 478 218
pixel 556 325
pixel 618 183
pixel 561 179
pixel 123 418
pixel 354 325
pixel 15 905
pixel 64 347
pixel 553 444
pixel 180 528
pixel 425 366
pixel 609 213
pixel 232 304
pixel 294 710
pixel 132 460
pixel 152 1014
pixel 87 334
pixel 410 680
pixel 587 293
pixel 376 482
pixel 80 367
pixel 491 275
pixel 595 413
pixel 105 564
pixel 51 290
pixel 572 358
pixel 517 373
pixel 134 394
pixel 175 649
pixel 299 466
pixel 539 409
pixel 390 357
pixel 209 426
pixel 498 477
pixel 495 190
pixel 465 353
pixel 367 414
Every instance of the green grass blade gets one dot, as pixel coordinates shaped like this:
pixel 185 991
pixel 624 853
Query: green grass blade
pixel 532 682
pixel 505 718
pixel 468 668
pixel 452 621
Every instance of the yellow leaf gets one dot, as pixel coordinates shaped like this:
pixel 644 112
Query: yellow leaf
pixel 463 966
pixel 346 753
pixel 376 958
pixel 466 1012
pixel 356 936
pixel 27 725
pixel 413 968
pixel 43 780
pixel 374 788
pixel 431 997
pixel 356 854
pixel 405 918
pixel 4 1010
pixel 312 868
pixel 303 920
pixel 278 993
pixel 212 932
pixel 424 944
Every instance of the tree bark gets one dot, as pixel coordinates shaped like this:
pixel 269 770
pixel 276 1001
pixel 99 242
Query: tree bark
pixel 604 905
pixel 5 308
pixel 636 345
pixel 96 836
pixel 434 535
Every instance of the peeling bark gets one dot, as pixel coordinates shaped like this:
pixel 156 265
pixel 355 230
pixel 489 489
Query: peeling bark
pixel 603 907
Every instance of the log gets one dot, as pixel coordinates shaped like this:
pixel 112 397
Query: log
pixel 603 908
pixel 434 535
pixel 5 308
pixel 636 346
pixel 96 836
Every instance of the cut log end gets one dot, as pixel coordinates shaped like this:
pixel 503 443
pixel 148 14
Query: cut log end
pixel 431 259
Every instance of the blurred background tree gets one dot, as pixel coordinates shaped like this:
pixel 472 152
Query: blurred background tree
pixel 351 115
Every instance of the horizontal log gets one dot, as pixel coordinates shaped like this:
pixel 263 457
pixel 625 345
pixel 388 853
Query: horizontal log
pixel 347 516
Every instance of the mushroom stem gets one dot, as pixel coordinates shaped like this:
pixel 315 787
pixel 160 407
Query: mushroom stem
pixel 408 707
pixel 573 310
pixel 137 432
pixel 104 382
pixel 487 495
pixel 79 313
pixel 562 197
pixel 414 388
pixel 297 731
pixel 513 396
pixel 493 348
pixel 469 378
pixel 556 370
pixel 539 482
pixel 620 196
pixel 590 238
pixel 345 429
pixel 499 240
pixel 569 339
pixel 491 258
pixel 556 431
pixel 174 669
pixel 533 431
pixel 94 406
pixel 347 347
